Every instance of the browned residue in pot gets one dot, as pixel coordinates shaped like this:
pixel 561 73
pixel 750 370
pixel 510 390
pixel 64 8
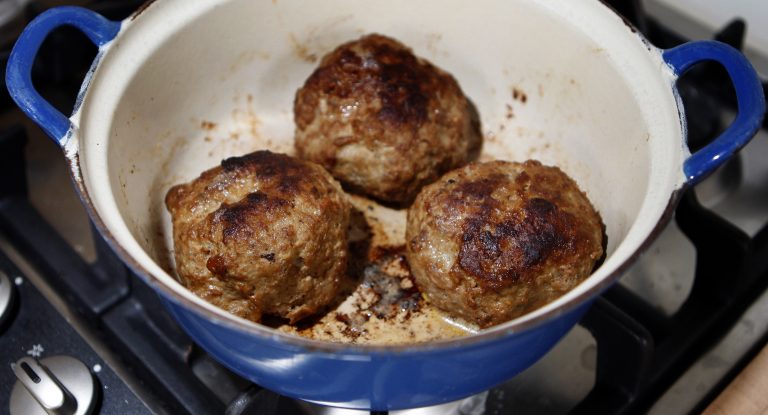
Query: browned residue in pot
pixel 208 125
pixel 381 304
pixel 301 50
pixel 519 95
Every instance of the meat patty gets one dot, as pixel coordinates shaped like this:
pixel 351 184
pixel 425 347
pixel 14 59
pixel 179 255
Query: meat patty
pixel 383 121
pixel 262 234
pixel 492 241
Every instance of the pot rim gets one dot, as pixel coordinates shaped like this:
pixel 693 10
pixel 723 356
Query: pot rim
pixel 530 321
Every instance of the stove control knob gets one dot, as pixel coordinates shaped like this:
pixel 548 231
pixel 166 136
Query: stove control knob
pixel 7 295
pixel 58 385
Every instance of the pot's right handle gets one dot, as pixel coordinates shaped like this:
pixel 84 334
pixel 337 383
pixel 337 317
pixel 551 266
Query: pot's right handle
pixel 18 74
pixel 749 96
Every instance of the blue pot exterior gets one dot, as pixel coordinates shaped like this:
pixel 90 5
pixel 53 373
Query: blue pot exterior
pixel 375 380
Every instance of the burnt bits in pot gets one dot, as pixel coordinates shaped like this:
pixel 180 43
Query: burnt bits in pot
pixel 381 304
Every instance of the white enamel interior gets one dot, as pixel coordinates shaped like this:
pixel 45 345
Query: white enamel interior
pixel 599 102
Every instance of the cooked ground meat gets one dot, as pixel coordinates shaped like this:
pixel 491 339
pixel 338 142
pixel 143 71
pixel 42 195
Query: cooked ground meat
pixel 492 241
pixel 383 121
pixel 262 234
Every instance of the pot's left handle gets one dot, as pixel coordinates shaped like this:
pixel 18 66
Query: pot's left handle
pixel 18 74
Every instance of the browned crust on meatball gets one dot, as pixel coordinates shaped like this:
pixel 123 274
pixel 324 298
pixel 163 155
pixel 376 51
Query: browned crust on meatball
pixel 492 241
pixel 264 233
pixel 383 121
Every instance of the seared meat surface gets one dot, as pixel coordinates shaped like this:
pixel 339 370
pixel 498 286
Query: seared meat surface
pixel 383 121
pixel 492 241
pixel 262 234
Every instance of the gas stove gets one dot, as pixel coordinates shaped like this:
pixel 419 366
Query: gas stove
pixel 668 338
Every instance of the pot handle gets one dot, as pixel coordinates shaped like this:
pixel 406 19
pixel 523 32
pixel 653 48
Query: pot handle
pixel 18 74
pixel 749 97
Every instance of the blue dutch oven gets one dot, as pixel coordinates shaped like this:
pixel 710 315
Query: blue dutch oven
pixel 601 104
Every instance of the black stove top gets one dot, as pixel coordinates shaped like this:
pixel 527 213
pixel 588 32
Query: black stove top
pixel 77 299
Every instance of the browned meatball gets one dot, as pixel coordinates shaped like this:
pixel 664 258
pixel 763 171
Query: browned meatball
pixel 492 241
pixel 264 233
pixel 383 121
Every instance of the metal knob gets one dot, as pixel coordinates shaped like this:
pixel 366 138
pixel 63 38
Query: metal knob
pixel 7 295
pixel 57 385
